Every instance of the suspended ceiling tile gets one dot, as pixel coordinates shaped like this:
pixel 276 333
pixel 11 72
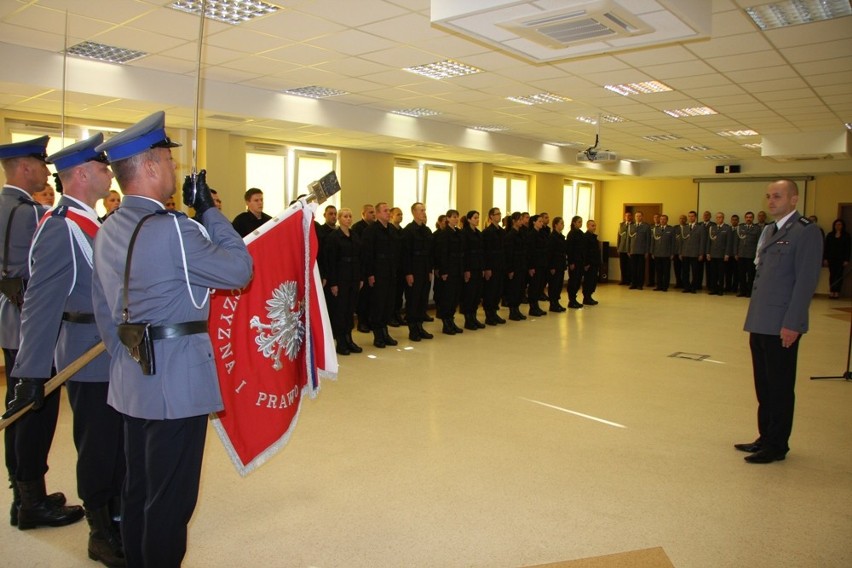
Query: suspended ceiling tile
pixel 353 42
pixel 757 60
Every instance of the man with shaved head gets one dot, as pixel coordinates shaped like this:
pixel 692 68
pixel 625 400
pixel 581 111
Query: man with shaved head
pixel 788 265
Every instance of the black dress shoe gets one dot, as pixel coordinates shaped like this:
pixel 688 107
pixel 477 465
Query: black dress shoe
pixel 590 302
pixel 765 456
pixel 750 447
pixel 363 328
pixel 575 305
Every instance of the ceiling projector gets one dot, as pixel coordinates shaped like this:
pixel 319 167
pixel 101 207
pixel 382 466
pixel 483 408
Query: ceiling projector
pixel 593 155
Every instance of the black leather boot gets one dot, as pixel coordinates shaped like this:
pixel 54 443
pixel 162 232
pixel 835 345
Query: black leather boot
pixel 476 322
pixel 516 315
pixel 388 339
pixel 378 339
pixel 455 327
pixel 413 332
pixel 469 323
pixel 498 318
pixel 342 346
pixel 54 500
pixel 36 510
pixel 104 542
pixel 448 328
pixel 423 333
pixel 351 344
pixel 490 318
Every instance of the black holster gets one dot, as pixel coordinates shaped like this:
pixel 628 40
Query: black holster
pixel 136 337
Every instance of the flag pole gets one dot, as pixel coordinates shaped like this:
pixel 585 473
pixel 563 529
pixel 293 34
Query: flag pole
pixel 59 379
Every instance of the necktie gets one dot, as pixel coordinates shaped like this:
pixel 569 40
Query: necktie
pixel 774 228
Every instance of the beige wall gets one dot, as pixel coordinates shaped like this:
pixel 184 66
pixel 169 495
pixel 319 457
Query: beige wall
pixel 678 196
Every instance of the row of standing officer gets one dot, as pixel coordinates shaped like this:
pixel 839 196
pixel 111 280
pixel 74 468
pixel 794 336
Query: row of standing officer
pixel 140 409
pixel 463 266
pixel 727 252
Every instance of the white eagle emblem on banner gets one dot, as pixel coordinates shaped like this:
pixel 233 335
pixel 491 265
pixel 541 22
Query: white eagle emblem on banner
pixel 286 330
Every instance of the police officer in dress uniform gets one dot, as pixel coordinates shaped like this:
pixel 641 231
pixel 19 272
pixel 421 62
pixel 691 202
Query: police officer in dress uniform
pixel 623 248
pixel 788 268
pixel 639 236
pixel 58 303
pixel 693 243
pixel 745 251
pixel 720 247
pixel 494 267
pixel 28 440
pixel 417 271
pixel 663 249
pixel 677 263
pixel 162 280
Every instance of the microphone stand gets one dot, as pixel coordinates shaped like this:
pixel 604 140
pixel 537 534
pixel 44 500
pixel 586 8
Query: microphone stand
pixel 847 376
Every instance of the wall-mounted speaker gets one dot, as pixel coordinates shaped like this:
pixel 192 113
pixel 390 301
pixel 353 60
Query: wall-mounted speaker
pixel 727 169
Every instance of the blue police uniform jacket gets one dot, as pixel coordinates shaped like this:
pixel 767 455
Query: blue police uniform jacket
pixel 787 274
pixel 23 227
pixel 170 249
pixel 60 281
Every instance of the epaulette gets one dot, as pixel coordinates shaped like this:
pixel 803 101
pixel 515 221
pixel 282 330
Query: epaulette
pixel 177 214
pixel 804 221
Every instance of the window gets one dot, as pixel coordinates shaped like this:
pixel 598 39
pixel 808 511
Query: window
pixel 439 190
pixel 265 169
pixel 311 165
pixel 511 193
pixel 428 182
pixel 578 198
pixel 405 175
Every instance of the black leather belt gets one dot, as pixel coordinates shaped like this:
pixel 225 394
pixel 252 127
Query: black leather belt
pixel 177 329
pixel 77 317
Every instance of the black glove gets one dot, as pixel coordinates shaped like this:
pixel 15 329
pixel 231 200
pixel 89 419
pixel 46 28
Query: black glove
pixel 26 391
pixel 196 193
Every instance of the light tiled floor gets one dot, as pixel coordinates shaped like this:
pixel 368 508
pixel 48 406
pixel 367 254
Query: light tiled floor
pixel 481 451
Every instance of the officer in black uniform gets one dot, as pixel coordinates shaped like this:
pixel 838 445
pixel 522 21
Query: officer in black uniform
pixel 449 256
pixel 556 264
pixel 592 258
pixel 574 252
pixel 343 280
pixel 494 267
pixel 474 263
pixel 537 251
pixel 516 267
pixel 379 258
pixel 417 271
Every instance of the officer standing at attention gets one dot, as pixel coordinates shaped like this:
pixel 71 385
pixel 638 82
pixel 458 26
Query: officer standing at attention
pixel 58 303
pixel 663 249
pixel 720 246
pixel 788 267
pixel 417 271
pixel 28 440
pixel 253 217
pixel 379 259
pixel 494 267
pixel 693 242
pixel 623 248
pixel 640 250
pixel 155 268
pixel 745 251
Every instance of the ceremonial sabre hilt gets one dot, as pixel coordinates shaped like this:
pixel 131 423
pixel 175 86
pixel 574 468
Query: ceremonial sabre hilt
pixel 323 188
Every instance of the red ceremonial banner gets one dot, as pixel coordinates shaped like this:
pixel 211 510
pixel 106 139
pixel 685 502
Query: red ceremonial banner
pixel 271 340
